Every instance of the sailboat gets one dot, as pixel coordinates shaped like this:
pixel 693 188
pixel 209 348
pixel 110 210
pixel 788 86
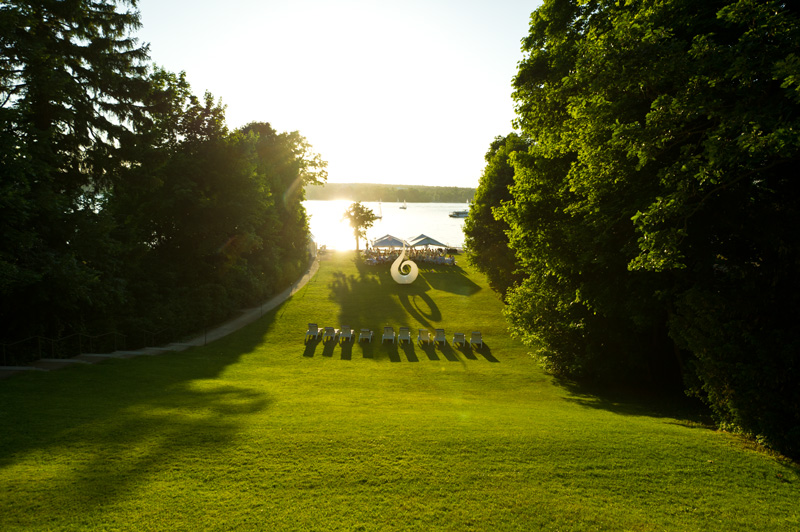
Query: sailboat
pixel 380 211
pixel 403 206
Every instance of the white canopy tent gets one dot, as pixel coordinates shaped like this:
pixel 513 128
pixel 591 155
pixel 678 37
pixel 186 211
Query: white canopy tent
pixel 425 240
pixel 388 241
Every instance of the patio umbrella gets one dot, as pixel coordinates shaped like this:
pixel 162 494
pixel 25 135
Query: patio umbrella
pixel 388 241
pixel 425 240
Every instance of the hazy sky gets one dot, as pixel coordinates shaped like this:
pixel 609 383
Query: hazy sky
pixel 387 92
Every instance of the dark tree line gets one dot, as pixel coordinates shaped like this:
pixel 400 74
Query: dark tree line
pixel 127 204
pixel 653 205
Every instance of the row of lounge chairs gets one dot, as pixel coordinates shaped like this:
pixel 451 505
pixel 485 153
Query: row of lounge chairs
pixel 403 335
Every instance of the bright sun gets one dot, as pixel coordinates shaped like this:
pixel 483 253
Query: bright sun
pixel 328 227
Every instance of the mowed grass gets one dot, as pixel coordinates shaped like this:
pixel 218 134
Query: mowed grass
pixel 260 431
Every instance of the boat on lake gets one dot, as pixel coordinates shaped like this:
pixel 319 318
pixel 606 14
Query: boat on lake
pixel 459 214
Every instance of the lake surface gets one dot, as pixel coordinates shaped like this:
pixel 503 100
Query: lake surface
pixel 429 218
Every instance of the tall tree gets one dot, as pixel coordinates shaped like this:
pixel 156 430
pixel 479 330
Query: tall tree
pixel 360 219
pixel 287 163
pixel 214 219
pixel 658 197
pixel 71 78
pixel 484 230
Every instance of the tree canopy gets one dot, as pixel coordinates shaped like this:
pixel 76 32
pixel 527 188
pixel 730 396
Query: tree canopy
pixel 485 230
pixel 653 216
pixel 128 204
pixel 71 78
pixel 360 219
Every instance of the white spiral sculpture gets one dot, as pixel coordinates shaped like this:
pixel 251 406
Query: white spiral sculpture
pixel 399 273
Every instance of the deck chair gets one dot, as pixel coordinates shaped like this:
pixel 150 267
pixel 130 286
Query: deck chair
pixel 404 334
pixel 475 338
pixel 439 336
pixel 330 333
pixel 366 334
pixel 424 335
pixel 313 331
pixel 388 334
pixel 459 339
pixel 345 333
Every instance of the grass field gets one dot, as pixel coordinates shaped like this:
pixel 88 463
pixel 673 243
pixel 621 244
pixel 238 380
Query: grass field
pixel 259 431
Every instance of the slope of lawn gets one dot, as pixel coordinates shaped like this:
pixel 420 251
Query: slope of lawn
pixel 261 431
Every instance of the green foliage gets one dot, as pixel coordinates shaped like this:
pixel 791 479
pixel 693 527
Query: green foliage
pixel 360 219
pixel 70 79
pixel 216 217
pixel 128 204
pixel 484 229
pixel 657 198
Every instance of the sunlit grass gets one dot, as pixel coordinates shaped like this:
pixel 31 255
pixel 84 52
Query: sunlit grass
pixel 260 431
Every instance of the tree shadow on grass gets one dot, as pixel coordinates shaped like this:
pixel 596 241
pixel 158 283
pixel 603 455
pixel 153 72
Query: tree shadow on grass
pixel 366 301
pixel 645 401
pixel 112 426
pixel 107 457
pixel 372 299
pixel 419 304
pixel 450 279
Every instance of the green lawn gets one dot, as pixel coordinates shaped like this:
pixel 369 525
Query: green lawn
pixel 259 431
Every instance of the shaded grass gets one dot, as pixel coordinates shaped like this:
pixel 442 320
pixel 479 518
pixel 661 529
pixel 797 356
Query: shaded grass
pixel 261 431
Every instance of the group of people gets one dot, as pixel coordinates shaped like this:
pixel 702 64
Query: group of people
pixel 373 256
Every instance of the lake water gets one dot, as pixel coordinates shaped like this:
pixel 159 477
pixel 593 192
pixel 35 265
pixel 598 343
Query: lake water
pixel 429 218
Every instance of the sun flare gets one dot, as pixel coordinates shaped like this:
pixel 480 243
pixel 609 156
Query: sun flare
pixel 334 233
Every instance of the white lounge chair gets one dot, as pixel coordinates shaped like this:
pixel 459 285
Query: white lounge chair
pixel 330 334
pixel 345 333
pixel 459 339
pixel 366 334
pixel 475 338
pixel 424 335
pixel 439 336
pixel 313 331
pixel 388 334
pixel 404 334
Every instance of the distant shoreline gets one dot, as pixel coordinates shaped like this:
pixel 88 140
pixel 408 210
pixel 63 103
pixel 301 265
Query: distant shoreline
pixel 389 193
